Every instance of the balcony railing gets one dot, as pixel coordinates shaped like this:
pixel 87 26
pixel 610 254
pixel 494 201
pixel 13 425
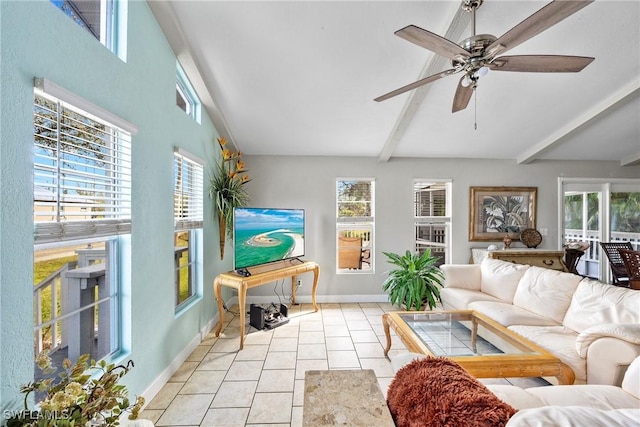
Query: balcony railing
pixel 72 308
pixel 589 264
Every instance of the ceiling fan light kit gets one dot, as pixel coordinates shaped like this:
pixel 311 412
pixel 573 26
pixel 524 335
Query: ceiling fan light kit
pixel 478 54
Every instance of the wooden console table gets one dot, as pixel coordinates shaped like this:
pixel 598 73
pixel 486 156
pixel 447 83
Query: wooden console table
pixel 538 257
pixel 260 276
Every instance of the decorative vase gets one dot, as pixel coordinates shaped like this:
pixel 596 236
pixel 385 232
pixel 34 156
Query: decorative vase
pixel 507 242
pixel 222 227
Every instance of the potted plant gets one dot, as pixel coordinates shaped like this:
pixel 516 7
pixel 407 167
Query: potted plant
pixel 83 394
pixel 226 187
pixel 415 282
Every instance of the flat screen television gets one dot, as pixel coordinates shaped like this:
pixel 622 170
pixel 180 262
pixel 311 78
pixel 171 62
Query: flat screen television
pixel 261 236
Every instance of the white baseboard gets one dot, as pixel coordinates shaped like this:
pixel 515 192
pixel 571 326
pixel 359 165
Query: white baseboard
pixel 175 364
pixel 320 299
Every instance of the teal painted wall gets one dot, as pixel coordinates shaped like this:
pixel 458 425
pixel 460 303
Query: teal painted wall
pixel 36 39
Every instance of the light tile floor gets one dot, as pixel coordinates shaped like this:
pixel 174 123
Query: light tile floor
pixel 263 384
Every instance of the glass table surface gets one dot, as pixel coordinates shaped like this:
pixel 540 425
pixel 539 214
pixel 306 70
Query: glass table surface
pixel 484 347
pixel 455 334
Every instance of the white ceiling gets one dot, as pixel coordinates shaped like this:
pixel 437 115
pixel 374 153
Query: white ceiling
pixel 299 78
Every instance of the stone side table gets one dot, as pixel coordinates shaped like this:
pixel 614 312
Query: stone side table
pixel 344 397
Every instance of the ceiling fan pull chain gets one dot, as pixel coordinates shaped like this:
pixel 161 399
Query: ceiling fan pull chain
pixel 475 109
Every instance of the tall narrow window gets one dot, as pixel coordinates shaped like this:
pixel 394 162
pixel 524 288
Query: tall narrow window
pixel 82 218
pixel 355 225
pixel 101 18
pixel 431 217
pixel 186 98
pixel 188 220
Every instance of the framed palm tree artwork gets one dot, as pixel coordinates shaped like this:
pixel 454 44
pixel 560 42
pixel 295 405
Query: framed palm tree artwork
pixel 497 212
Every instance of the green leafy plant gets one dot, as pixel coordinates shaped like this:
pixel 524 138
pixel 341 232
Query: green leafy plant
pixel 415 282
pixel 85 393
pixel 226 188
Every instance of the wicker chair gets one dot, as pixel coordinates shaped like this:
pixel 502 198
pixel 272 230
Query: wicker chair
pixel 618 270
pixel 631 260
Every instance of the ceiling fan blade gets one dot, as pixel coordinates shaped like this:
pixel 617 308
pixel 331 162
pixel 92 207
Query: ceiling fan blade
pixel 462 96
pixel 431 41
pixel 544 18
pixel 416 84
pixel 540 63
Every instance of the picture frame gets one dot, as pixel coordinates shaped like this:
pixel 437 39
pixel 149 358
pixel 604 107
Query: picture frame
pixel 497 212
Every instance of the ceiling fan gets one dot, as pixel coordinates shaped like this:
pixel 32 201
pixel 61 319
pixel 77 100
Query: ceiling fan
pixel 478 54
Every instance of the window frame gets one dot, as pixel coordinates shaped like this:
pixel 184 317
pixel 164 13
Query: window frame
pixel 188 175
pixel 362 227
pixel 443 222
pixel 95 145
pixel 112 16
pixel 593 263
pixel 184 89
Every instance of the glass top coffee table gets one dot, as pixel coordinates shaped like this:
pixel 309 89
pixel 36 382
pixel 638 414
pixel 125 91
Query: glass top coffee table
pixel 455 335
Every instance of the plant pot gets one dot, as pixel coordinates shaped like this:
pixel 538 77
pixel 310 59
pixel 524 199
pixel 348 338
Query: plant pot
pixel 222 228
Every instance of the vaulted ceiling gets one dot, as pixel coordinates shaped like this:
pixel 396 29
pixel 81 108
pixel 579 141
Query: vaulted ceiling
pixel 299 78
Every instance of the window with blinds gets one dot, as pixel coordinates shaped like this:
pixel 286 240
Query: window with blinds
pixel 82 219
pixel 355 209
pixel 82 174
pixel 188 191
pixel 188 199
pixel 431 217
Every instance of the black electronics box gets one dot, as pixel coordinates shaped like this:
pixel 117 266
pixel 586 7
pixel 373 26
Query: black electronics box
pixel 268 317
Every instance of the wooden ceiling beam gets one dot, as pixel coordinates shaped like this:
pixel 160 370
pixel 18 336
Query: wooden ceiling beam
pixel 436 63
pixel 558 137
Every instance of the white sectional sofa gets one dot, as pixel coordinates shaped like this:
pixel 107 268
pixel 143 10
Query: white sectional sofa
pixel 582 405
pixel 591 326
pixel 575 405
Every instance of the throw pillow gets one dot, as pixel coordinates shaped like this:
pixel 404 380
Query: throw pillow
pixel 438 392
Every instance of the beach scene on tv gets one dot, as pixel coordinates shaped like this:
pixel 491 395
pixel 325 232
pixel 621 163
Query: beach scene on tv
pixel 267 235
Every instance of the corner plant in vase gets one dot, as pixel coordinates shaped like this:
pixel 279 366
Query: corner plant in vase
pixel 84 394
pixel 415 282
pixel 226 187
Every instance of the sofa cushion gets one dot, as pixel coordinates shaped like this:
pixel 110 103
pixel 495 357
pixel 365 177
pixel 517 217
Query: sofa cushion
pixel 461 276
pixel 435 391
pixel 515 396
pixel 459 299
pixel 631 381
pixel 595 303
pixel 500 279
pixel 578 416
pixel 546 292
pixel 559 341
pixel 597 396
pixel 508 314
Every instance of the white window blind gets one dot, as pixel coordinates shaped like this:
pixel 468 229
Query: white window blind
pixel 430 199
pixel 432 223
pixel 82 173
pixel 188 197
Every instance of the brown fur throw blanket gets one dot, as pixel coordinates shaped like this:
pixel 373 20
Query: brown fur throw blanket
pixel 438 392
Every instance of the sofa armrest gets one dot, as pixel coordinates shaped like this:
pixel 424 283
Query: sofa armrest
pixel 465 276
pixel 629 332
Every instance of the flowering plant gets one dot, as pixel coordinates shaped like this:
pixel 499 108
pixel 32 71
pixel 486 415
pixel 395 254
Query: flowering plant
pixel 226 186
pixel 79 397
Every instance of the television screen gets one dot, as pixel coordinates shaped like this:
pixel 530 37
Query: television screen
pixel 262 235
